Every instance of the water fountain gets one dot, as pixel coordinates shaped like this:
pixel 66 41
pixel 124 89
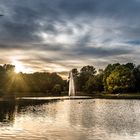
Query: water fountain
pixel 71 94
pixel 71 85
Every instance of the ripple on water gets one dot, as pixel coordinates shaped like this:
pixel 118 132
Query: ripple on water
pixel 72 120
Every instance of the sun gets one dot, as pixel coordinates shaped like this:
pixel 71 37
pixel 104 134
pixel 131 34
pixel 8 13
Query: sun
pixel 19 67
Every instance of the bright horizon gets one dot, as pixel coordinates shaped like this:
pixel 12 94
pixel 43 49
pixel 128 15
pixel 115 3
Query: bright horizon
pixel 58 35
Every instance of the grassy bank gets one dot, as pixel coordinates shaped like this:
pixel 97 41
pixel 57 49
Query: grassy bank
pixel 110 96
pixel 92 95
pixel 117 96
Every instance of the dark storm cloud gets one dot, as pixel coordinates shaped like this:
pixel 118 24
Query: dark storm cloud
pixel 25 16
pixel 21 25
pixel 101 52
pixel 37 47
pixel 73 29
pixel 94 8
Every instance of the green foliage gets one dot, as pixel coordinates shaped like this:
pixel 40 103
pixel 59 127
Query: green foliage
pixel 121 79
pixel 136 72
pixel 75 73
pixel 131 66
pixel 36 82
pixel 115 78
pixel 88 70
pixel 107 72
pixel 95 84
pixel 85 73
pixel 56 89
pixel 6 77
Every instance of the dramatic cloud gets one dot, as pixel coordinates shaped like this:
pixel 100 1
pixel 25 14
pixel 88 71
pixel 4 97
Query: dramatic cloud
pixel 57 35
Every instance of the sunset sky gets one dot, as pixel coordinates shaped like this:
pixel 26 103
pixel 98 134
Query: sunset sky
pixel 58 35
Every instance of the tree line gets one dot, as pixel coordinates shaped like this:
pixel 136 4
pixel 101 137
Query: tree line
pixel 115 78
pixel 36 84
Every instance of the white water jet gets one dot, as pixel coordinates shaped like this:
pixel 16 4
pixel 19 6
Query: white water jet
pixel 71 85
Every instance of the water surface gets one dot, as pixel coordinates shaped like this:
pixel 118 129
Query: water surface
pixel 87 119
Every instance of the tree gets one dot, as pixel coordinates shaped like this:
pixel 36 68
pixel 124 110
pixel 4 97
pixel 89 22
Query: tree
pixel 56 89
pixel 85 73
pixel 121 79
pixel 76 78
pixel 95 84
pixel 6 78
pixel 2 79
pixel 2 70
pixel 88 70
pixel 75 72
pixel 136 73
pixel 35 83
pixel 107 72
pixel 9 67
pixel 131 66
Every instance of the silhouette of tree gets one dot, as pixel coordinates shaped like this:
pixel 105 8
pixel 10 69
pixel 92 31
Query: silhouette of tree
pixel 85 73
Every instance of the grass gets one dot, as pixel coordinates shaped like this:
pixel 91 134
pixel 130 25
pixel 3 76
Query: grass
pixel 117 96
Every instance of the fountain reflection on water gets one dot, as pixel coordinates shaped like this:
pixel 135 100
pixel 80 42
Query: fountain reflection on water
pixel 70 120
pixel 71 85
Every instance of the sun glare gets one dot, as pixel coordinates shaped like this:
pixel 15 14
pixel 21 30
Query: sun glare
pixel 19 67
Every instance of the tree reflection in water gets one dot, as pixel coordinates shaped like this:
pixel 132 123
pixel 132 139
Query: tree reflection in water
pixel 8 109
pixel 7 112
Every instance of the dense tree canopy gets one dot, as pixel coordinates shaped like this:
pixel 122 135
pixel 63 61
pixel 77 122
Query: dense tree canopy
pixel 115 78
pixel 47 83
pixel 85 74
pixel 121 79
pixel 136 72
pixel 107 72
pixel 95 84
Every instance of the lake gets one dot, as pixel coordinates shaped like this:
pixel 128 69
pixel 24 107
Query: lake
pixel 81 119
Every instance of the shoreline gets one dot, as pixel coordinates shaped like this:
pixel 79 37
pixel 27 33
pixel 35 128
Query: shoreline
pixel 83 96
pixel 117 96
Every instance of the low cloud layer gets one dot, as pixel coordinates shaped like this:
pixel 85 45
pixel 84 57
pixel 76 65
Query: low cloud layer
pixel 59 35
